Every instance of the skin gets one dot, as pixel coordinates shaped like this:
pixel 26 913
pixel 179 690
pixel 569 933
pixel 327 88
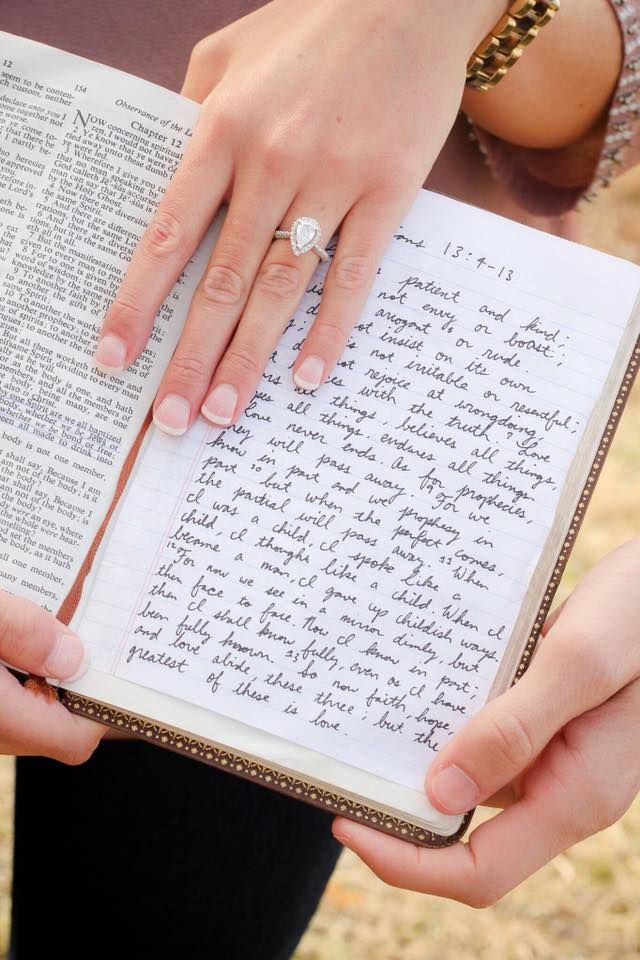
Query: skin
pixel 289 126
pixel 33 641
pixel 558 751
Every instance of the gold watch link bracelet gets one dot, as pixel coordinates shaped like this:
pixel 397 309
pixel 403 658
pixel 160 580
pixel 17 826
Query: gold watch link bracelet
pixel 506 43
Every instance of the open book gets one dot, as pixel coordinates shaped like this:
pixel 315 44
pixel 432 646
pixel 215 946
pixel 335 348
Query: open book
pixel 320 596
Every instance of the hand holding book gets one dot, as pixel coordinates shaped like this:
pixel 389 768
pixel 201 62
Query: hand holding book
pixel 558 751
pixel 320 596
pixel 33 641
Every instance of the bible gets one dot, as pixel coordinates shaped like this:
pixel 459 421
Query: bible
pixel 318 597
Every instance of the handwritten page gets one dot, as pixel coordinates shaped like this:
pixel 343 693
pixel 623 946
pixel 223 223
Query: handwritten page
pixel 344 570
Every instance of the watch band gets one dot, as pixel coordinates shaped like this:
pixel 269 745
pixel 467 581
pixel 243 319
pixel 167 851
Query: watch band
pixel 506 43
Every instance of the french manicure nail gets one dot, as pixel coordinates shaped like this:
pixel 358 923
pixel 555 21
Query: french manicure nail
pixel 110 354
pixel 309 374
pixel 454 790
pixel 172 415
pixel 220 405
pixel 69 659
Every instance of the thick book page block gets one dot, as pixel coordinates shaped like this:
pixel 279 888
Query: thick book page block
pixel 334 584
pixel 85 154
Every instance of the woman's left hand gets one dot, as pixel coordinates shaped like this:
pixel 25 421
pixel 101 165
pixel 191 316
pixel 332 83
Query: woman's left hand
pixel 559 751
pixel 326 109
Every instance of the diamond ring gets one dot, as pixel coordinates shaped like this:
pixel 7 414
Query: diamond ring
pixel 304 236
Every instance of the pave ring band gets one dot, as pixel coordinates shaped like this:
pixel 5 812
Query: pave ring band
pixel 304 236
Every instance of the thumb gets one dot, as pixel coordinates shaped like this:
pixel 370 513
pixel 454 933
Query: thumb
pixel 507 735
pixel 32 640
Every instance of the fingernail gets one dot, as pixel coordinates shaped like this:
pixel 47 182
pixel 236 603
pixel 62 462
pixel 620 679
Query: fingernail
pixel 172 415
pixel 343 837
pixel 454 790
pixel 110 354
pixel 220 405
pixel 309 374
pixel 69 659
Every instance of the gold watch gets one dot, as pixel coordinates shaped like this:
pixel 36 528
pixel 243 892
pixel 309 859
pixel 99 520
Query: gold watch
pixel 506 43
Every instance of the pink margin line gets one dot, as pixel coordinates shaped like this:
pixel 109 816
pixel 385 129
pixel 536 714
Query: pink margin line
pixel 143 590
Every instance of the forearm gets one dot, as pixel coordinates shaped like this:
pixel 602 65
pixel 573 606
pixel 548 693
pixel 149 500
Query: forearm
pixel 558 93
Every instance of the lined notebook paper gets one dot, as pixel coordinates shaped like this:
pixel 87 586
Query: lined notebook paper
pixel 344 570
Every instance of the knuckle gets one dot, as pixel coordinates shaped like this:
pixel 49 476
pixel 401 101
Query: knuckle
pixel 216 121
pixel 188 368
pixel 164 235
pixel 388 873
pixel 280 152
pixel 391 174
pixel 222 285
pixel 351 272
pixel 125 313
pixel 511 740
pixel 482 898
pixel 201 52
pixel 13 645
pixel 20 632
pixel 279 281
pixel 78 754
pixel 606 806
pixel 11 627
pixel 336 160
pixel 334 326
pixel 242 364
pixel 479 889
pixel 332 331
pixel 613 809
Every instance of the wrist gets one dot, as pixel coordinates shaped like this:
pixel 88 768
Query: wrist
pixel 555 69
pixel 478 18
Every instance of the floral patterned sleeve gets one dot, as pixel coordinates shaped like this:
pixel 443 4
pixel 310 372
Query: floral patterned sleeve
pixel 620 148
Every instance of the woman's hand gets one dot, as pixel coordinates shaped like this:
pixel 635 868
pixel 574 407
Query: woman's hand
pixel 323 109
pixel 559 749
pixel 34 641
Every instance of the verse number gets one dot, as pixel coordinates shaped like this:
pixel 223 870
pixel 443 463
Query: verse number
pixel 8 64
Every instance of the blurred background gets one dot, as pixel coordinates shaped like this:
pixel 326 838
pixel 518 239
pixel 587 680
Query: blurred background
pixel 583 906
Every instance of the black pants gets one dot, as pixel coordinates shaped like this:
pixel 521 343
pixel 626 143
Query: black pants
pixel 160 856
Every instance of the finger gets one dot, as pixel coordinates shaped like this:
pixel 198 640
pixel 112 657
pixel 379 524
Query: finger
pixel 279 286
pixel 553 616
pixel 507 795
pixel 364 236
pixel 499 855
pixel 589 653
pixel 585 781
pixel 506 736
pixel 178 225
pixel 34 641
pixel 247 232
pixel 33 726
pixel 206 68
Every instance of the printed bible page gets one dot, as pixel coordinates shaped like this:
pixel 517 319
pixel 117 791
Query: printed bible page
pixel 85 154
pixel 331 584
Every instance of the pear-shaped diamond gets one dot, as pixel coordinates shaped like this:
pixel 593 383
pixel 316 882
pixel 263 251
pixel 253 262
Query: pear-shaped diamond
pixel 305 233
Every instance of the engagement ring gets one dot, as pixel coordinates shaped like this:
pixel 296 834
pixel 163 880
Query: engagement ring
pixel 304 236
